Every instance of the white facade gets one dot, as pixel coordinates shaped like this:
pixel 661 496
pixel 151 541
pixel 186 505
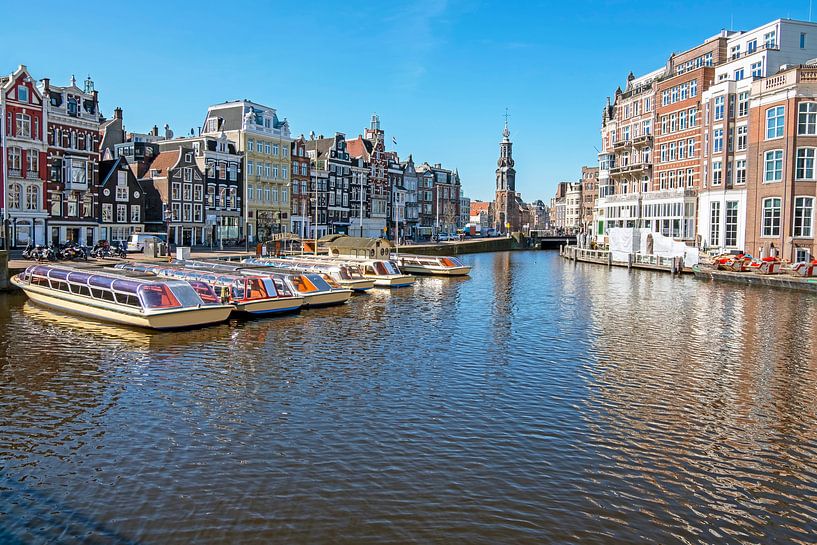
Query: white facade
pixel 573 205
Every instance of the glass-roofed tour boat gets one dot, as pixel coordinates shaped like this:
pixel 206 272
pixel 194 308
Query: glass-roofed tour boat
pixel 253 295
pixel 429 264
pixel 121 298
pixel 318 290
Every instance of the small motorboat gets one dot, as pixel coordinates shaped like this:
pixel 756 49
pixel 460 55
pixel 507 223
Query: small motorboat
pixel 122 298
pixel 434 265
pixel 346 275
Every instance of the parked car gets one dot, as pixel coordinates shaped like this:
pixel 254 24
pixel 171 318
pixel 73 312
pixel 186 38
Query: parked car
pixel 136 242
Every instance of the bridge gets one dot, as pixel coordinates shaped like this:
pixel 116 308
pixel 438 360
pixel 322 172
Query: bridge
pixel 549 240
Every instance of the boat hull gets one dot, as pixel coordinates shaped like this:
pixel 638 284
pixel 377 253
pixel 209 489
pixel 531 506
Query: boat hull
pixel 437 271
pixel 81 306
pixel 271 306
pixel 396 281
pixel 335 297
pixel 357 285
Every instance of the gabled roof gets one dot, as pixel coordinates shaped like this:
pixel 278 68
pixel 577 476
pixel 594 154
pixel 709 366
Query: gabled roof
pixel 165 161
pixel 323 145
pixel 360 147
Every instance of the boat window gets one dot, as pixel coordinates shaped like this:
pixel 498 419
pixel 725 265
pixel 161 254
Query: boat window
pixel 59 285
pixel 379 268
pixel 281 287
pixel 58 274
pixel 391 267
pixel 344 273
pixel 205 292
pixel 101 281
pixel 157 296
pixel 186 295
pixel 80 289
pixel 255 289
pixel 318 282
pixel 127 299
pixel 331 281
pixel 126 286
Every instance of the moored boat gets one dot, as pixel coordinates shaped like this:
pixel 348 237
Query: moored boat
pixel 434 265
pixel 346 275
pixel 766 265
pixel 123 299
pixel 384 272
pixel 253 295
pixel 317 290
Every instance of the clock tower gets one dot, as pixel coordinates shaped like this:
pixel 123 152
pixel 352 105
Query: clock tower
pixel 506 209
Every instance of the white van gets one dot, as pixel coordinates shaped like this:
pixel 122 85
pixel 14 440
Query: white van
pixel 136 242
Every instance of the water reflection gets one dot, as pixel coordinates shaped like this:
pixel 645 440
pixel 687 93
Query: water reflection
pixel 538 401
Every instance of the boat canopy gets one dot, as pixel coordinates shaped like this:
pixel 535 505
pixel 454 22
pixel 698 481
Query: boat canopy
pixel 240 287
pixel 114 288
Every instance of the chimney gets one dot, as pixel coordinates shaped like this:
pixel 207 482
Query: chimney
pixel 154 131
pixel 46 83
pixel 117 113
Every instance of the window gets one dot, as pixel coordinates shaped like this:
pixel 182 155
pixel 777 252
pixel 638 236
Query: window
pixel 769 39
pixel 739 74
pixel 250 192
pixel 187 194
pixel 730 235
pixel 275 149
pixel 774 122
pixel 135 213
pixel 187 209
pixel 757 69
pixel 771 217
pixel 714 223
pixel 693 88
pixel 717 172
pixel 23 125
pixel 107 213
pixel 122 193
pixel 805 164
pixel 259 146
pixel 740 171
pixel 717 140
pixel 719 101
pixel 249 167
pixel 691 146
pixel 663 153
pixel 176 191
pixel 198 213
pixel 22 93
pixel 121 213
pixel 267 148
pixel 672 151
pixel 751 46
pixel 32 197
pixel 773 166
pixel 742 135
pixel 803 212
pixel 33 160
pixel 266 195
pixel 188 174
pixel 693 117
pixel 690 177
pixel 743 103
pixel 802 40
pixel 807 118
pixel 176 214
pixel 198 192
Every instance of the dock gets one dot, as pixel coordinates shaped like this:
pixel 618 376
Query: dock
pixel 782 280
pixel 671 265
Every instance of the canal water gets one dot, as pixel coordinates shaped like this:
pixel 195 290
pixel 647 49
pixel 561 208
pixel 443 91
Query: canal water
pixel 539 401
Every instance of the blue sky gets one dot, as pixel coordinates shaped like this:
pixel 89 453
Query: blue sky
pixel 439 74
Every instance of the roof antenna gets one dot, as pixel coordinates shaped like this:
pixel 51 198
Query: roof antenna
pixel 731 22
pixel 809 11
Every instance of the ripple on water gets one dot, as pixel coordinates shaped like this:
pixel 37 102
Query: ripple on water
pixel 538 401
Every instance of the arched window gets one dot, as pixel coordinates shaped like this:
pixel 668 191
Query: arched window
pixel 32 197
pixel 14 196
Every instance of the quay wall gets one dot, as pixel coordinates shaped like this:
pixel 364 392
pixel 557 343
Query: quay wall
pixel 464 247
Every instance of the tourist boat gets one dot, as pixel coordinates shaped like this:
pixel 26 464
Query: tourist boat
pixel 346 275
pixel 317 290
pixel 121 298
pixel 766 265
pixel 434 265
pixel 385 273
pixel 253 295
pixel 805 269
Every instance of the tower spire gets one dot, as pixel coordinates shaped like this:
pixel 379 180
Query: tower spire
pixel 506 133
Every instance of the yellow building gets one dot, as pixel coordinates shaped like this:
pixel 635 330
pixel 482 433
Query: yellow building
pixel 265 142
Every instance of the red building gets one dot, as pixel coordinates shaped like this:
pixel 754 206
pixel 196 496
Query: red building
pixel 300 216
pixel 24 151
pixel 73 161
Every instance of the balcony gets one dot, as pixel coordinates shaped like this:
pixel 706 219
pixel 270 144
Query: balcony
pixel 620 144
pixel 642 140
pixel 632 168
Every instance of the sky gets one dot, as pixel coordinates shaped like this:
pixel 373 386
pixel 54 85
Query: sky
pixel 440 74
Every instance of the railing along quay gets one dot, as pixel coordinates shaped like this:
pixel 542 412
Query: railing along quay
pixel 673 265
